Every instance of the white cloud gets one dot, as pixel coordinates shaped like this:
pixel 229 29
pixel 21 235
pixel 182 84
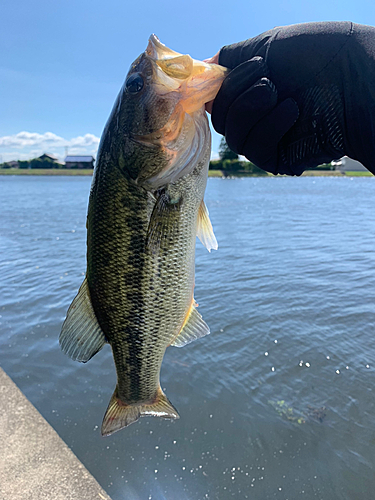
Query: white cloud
pixel 85 141
pixel 31 139
pixel 25 145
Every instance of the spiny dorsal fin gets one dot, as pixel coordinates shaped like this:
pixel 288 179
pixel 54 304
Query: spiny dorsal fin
pixel 193 328
pixel 81 336
pixel 204 230
pixel 120 415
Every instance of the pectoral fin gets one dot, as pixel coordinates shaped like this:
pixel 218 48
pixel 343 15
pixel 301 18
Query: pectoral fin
pixel 81 336
pixel 193 328
pixel 151 200
pixel 204 230
pixel 162 226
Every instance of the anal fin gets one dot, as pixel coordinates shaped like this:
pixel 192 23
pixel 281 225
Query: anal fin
pixel 81 336
pixel 193 328
pixel 120 415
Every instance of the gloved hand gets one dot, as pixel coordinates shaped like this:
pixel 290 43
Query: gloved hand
pixel 300 96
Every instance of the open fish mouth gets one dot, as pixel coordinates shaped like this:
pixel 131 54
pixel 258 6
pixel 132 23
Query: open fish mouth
pixel 198 82
pixel 192 83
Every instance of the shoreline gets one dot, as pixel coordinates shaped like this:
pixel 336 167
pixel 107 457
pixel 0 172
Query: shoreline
pixel 45 171
pixel 211 173
pixel 35 463
pixel 307 173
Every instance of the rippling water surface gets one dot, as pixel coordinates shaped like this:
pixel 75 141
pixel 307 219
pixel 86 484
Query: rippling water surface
pixel 277 403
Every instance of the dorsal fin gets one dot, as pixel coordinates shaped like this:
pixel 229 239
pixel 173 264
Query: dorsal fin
pixel 81 336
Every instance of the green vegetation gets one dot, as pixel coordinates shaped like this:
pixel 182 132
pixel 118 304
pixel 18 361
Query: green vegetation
pixel 47 162
pixel 322 173
pixel 287 412
pixel 329 173
pixel 38 163
pixel 236 167
pixel 229 164
pixel 325 166
pixel 356 173
pixel 225 153
pixel 211 172
pixel 215 173
pixel 43 171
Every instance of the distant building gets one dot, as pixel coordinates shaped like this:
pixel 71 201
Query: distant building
pixel 46 156
pixel 79 162
pixel 10 164
pixel 347 164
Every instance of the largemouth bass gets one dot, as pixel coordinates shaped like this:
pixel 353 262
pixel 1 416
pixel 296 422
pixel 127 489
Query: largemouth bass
pixel 145 209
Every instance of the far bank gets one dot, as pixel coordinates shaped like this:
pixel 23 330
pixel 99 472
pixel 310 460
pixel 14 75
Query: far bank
pixel 211 173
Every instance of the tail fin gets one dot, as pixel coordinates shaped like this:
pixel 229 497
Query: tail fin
pixel 120 415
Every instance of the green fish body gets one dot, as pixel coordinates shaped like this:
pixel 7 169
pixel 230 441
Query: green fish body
pixel 145 210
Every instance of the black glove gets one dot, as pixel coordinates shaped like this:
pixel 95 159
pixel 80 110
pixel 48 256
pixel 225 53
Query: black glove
pixel 300 96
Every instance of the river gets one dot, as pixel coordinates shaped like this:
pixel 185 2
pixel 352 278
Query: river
pixel 277 403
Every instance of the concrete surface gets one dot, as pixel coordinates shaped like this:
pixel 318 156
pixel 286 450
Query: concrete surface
pixel 34 461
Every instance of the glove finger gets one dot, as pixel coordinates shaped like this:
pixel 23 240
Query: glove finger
pixel 261 144
pixel 247 110
pixel 238 81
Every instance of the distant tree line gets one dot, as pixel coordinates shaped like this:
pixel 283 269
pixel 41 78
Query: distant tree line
pixel 34 163
pixel 229 162
pixel 38 163
pixel 46 162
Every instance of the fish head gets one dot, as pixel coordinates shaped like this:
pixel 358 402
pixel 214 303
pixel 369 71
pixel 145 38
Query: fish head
pixel 158 120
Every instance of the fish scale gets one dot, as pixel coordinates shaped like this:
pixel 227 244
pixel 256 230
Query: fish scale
pixel 146 311
pixel 141 319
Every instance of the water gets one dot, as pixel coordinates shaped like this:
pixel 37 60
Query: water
pixel 289 298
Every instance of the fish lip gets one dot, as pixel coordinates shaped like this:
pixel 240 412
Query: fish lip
pixel 157 50
pixel 153 47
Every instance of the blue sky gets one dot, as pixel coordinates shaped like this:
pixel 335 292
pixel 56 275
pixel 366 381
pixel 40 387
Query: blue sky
pixel 62 62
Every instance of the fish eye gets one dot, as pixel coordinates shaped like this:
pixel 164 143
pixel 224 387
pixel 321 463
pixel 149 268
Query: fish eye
pixel 134 83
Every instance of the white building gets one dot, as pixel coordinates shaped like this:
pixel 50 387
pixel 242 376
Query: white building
pixel 347 164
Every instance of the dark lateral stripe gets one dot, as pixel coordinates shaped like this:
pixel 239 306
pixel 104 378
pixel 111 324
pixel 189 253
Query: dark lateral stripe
pixel 133 277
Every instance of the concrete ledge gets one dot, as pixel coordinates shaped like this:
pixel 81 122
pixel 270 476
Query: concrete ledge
pixel 34 461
